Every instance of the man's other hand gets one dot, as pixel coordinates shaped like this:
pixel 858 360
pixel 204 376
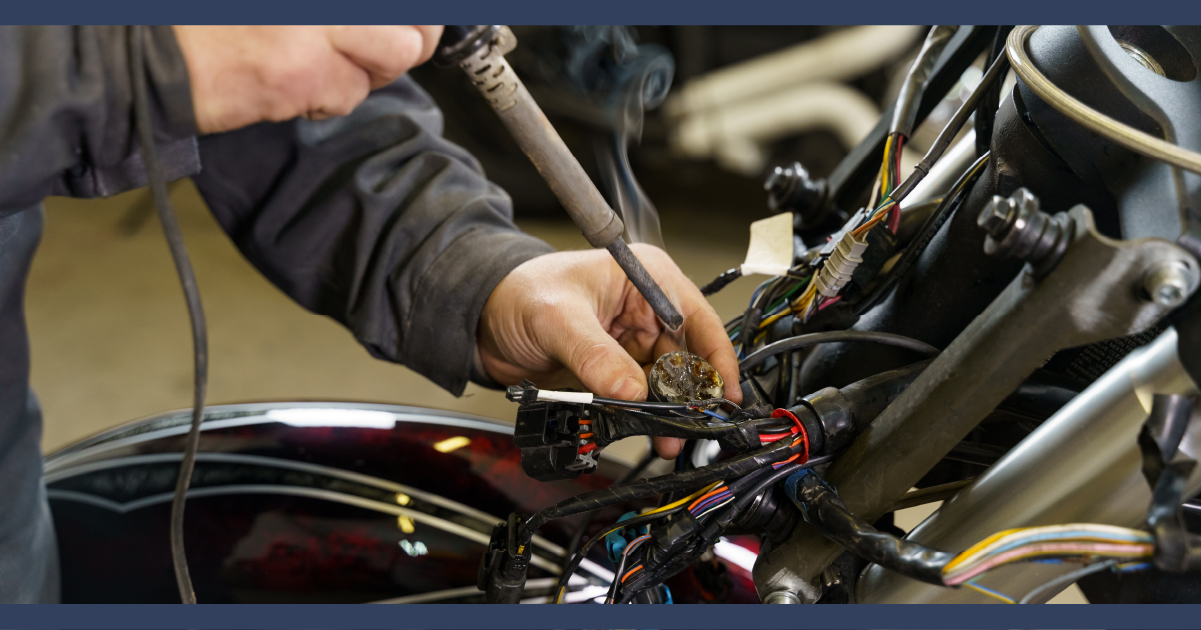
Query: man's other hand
pixel 574 319
pixel 241 75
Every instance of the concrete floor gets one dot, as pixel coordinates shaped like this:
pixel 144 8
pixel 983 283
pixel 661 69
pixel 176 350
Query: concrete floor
pixel 111 342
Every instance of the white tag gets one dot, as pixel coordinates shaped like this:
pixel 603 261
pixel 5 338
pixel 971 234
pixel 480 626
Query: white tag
pixel 770 251
pixel 569 397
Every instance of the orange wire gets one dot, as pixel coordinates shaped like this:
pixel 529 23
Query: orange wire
pixel 631 572
pixel 715 491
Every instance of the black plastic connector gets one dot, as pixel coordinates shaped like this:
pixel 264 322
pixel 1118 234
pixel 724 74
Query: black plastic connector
pixel 525 393
pixel 505 565
pixel 547 434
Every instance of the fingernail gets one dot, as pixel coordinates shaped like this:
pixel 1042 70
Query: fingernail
pixel 628 388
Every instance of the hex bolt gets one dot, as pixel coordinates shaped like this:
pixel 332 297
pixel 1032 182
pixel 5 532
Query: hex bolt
pixel 1169 284
pixel 781 597
pixel 1017 228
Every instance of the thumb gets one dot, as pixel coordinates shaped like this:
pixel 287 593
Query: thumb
pixel 578 341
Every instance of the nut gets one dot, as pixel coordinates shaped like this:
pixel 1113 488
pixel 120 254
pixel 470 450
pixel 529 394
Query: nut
pixel 997 216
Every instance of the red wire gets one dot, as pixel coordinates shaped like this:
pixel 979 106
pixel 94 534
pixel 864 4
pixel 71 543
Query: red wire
pixel 588 448
pixel 800 428
pixel 829 302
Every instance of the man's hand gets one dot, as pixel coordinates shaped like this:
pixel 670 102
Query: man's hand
pixel 241 75
pixel 573 318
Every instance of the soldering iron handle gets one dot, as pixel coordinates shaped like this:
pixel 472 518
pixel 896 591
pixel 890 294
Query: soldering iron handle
pixel 646 285
pixel 479 51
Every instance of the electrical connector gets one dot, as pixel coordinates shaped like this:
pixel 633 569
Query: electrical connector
pixel 837 272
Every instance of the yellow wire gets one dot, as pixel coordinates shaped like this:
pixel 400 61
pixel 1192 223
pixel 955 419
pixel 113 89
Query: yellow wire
pixel 1139 551
pixel 767 322
pixel 978 546
pixel 982 591
pixel 884 167
pixel 690 497
pixel 664 508
pixel 997 539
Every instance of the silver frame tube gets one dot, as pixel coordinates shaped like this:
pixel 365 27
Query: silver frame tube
pixel 1082 465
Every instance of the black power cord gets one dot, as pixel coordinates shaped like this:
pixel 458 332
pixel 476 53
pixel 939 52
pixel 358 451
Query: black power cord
pixel 812 339
pixel 187 279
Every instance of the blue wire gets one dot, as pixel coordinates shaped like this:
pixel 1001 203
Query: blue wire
pixel 711 501
pixel 758 290
pixel 715 415
pixel 1025 540
pixel 985 588
pixel 1142 566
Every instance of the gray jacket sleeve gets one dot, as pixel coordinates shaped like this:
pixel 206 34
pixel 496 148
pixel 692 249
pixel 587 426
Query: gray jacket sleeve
pixel 375 220
pixel 66 117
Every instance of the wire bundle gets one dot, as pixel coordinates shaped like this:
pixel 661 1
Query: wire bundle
pixel 1084 542
pixel 798 433
pixel 711 501
pixel 776 293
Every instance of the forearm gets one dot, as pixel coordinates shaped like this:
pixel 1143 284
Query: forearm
pixel 374 220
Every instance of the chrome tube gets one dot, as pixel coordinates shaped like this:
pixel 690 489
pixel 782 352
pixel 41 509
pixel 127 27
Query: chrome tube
pixel 945 171
pixel 1082 465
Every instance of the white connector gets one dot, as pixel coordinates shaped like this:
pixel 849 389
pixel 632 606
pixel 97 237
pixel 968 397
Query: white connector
pixel 839 268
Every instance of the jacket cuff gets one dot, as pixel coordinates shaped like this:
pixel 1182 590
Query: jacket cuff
pixel 441 334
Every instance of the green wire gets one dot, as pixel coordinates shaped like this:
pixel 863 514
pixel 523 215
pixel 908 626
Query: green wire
pixel 784 298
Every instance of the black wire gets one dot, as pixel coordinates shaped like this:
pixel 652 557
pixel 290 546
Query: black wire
pixel 583 553
pixel 187 279
pixel 716 526
pixel 931 227
pixel 736 466
pixel 661 406
pixel 578 537
pixel 986 112
pixel 812 339
pixel 621 566
pixel 721 281
pixel 948 133
pixel 731 513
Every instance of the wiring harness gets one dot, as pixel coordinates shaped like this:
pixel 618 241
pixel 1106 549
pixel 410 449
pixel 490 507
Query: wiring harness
pixel 555 430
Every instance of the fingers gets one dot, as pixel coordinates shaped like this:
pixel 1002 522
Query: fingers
pixel 241 75
pixel 704 331
pixel 385 52
pixel 667 447
pixel 572 335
